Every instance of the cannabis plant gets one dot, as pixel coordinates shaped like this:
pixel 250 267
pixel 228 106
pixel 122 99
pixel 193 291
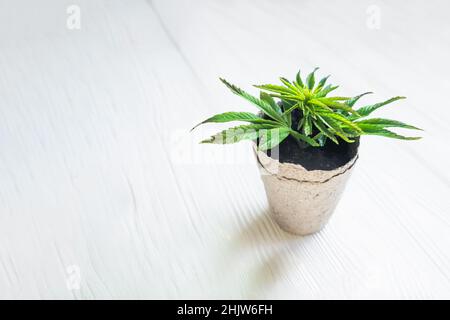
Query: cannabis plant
pixel 303 110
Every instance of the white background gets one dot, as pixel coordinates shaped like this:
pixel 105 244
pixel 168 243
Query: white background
pixel 104 193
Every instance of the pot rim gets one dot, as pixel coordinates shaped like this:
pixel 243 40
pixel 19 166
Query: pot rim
pixel 292 171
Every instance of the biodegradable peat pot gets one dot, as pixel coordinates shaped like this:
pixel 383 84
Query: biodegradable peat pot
pixel 303 187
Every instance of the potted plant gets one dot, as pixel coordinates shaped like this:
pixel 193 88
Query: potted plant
pixel 306 144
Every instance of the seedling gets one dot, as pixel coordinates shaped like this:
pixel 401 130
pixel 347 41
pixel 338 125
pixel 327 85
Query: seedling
pixel 303 110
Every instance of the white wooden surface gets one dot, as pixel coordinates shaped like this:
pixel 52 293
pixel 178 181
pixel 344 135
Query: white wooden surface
pixel 105 194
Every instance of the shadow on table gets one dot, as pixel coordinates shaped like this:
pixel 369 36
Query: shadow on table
pixel 279 252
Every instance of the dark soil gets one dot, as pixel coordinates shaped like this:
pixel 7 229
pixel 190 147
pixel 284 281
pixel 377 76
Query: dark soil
pixel 328 157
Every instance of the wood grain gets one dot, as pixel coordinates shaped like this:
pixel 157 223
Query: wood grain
pixel 101 181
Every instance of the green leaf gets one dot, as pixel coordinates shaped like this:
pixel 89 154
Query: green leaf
pixel 310 79
pixel 236 134
pixel 285 104
pixel 341 106
pixel 275 88
pixel 236 116
pixel 369 129
pixel 321 139
pixel 342 119
pixel 332 103
pixel 325 91
pixel 304 138
pixel 351 102
pixel 321 83
pixel 319 103
pixel 288 118
pixel 298 92
pixel 307 128
pixel 262 105
pixel 288 107
pixel 268 98
pixel 325 131
pixel 334 99
pixel 333 124
pixel 289 97
pixel 288 84
pixel 365 111
pixel 351 133
pixel 385 123
pixel 272 137
pixel 298 80
pixel 300 124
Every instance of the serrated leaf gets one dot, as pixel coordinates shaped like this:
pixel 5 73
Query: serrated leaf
pixel 268 98
pixel 351 102
pixel 269 139
pixel 386 123
pixel 365 111
pixel 334 125
pixel 351 133
pixel 321 83
pixel 236 134
pixel 370 129
pixel 285 104
pixel 298 80
pixel 287 107
pixel 262 105
pixel 342 119
pixel 300 124
pixel 288 97
pixel 307 128
pixel 322 128
pixel 304 138
pixel 321 139
pixel 341 106
pixel 325 131
pixel 288 84
pixel 236 116
pixel 310 80
pixel 319 103
pixel 275 88
pixel 334 99
pixel 325 91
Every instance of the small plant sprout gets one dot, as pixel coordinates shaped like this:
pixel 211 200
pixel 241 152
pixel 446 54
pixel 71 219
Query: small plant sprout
pixel 304 110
